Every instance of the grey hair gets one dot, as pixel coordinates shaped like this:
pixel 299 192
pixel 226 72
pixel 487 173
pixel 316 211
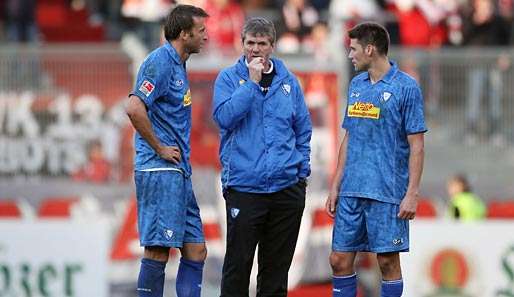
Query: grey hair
pixel 258 26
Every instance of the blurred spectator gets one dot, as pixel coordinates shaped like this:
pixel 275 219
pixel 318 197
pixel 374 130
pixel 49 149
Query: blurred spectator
pixel 506 11
pixel 357 10
pixel 224 25
pixel 255 4
pixel 297 19
pixel 464 205
pixel 483 27
pixel 321 5
pixel 112 17
pixel 105 13
pixel 148 15
pixel 317 42
pixel 420 22
pixel 21 21
pixel 345 14
pixel 97 169
pixel 288 43
pixel 197 3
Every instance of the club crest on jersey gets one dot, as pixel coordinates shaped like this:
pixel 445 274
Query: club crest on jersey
pixel 168 234
pixel 386 96
pixel 397 241
pixel 146 88
pixel 187 98
pixel 241 81
pixel 286 88
pixel 363 110
pixel 179 83
pixel 234 212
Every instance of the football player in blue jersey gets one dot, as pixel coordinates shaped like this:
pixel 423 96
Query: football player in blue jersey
pixel 376 187
pixel 159 108
pixel 265 131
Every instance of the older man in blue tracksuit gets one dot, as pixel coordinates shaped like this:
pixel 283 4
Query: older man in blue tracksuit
pixel 265 131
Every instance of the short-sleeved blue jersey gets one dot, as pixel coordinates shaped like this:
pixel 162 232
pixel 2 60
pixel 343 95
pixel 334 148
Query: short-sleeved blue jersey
pixel 163 86
pixel 378 118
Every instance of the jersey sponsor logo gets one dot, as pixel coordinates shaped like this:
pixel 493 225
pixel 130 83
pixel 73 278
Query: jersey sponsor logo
pixel 187 98
pixel 355 94
pixel 168 234
pixel 386 96
pixel 146 88
pixel 234 212
pixel 363 110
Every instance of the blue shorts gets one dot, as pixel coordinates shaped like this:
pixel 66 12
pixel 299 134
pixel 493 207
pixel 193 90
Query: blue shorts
pixel 167 212
pixel 367 225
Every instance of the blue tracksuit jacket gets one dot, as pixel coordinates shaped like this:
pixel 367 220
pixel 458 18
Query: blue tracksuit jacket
pixel 265 138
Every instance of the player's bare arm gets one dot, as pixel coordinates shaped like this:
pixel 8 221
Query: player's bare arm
pixel 330 204
pixel 136 111
pixel 410 201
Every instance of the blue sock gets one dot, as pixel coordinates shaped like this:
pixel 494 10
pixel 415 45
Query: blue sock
pixel 392 288
pixel 189 278
pixel 344 286
pixel 151 278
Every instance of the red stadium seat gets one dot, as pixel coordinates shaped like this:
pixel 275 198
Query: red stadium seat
pixel 9 209
pixel 426 209
pixel 500 209
pixel 56 207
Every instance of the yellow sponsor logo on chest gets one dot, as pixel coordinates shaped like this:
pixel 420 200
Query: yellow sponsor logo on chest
pixel 187 98
pixel 364 110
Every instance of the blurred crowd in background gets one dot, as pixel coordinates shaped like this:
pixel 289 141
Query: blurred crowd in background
pixel 303 26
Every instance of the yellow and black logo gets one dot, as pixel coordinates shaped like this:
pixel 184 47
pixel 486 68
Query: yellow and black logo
pixel 187 98
pixel 364 110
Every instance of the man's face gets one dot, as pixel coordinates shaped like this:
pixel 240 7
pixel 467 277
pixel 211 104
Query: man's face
pixel 197 36
pixel 360 59
pixel 257 46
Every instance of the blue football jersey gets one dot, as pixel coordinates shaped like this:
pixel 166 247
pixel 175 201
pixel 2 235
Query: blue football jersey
pixel 378 118
pixel 163 86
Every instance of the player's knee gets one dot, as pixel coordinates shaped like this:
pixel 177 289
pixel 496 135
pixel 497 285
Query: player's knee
pixel 194 252
pixel 342 264
pixel 389 266
pixel 202 254
pixel 157 253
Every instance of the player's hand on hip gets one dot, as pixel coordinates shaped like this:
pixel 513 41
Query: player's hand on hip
pixel 255 68
pixel 170 153
pixel 408 206
pixel 330 204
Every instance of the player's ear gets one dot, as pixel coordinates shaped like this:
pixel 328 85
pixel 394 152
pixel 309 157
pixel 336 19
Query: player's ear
pixel 369 49
pixel 184 34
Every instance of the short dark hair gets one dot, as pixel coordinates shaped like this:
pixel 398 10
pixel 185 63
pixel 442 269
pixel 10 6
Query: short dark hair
pixel 180 19
pixel 371 33
pixel 259 26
